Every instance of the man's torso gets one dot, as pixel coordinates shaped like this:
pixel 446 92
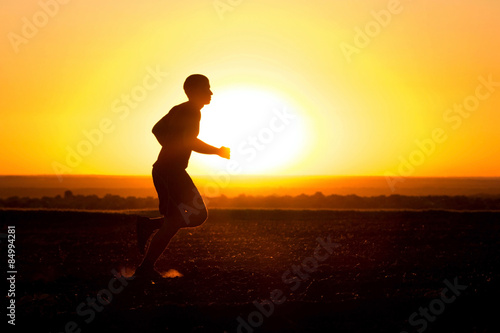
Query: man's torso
pixel 182 122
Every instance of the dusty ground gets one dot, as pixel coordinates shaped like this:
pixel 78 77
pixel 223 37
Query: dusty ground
pixel 387 266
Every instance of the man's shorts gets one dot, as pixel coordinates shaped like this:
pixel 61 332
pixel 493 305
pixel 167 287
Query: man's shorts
pixel 180 201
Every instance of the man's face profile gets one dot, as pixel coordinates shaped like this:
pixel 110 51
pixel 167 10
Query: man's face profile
pixel 205 94
pixel 197 88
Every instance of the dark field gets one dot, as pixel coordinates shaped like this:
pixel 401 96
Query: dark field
pixel 389 265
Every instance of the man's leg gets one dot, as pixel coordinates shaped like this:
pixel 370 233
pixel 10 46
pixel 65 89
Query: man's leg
pixel 192 207
pixel 145 226
pixel 144 229
pixel 158 244
pixel 175 193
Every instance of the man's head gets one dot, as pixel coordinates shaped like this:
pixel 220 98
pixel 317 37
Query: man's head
pixel 197 89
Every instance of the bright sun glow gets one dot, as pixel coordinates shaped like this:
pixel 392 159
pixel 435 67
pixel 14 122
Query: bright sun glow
pixel 264 130
pixel 89 87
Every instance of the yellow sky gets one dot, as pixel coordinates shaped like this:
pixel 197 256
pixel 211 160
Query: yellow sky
pixel 398 88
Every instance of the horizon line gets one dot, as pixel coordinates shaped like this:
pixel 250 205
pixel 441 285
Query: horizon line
pixel 243 175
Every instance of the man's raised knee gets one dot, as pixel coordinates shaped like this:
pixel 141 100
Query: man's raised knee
pixel 199 218
pixel 203 216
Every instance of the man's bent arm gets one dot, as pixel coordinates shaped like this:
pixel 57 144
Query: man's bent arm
pixel 203 148
pixel 195 144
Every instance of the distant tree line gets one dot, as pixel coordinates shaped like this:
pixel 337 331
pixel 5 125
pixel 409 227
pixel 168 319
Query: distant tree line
pixel 321 201
pixel 315 201
pixel 70 201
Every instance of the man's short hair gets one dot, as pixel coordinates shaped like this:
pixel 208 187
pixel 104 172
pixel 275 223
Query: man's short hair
pixel 194 82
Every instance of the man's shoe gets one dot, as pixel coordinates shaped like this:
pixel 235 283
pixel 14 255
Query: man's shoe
pixel 147 274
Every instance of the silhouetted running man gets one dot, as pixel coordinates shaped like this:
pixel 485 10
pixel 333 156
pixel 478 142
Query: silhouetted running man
pixel 180 202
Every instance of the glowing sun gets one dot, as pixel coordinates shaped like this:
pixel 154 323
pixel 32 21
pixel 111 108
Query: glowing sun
pixel 264 130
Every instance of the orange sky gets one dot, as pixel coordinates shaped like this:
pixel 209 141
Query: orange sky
pixel 336 88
